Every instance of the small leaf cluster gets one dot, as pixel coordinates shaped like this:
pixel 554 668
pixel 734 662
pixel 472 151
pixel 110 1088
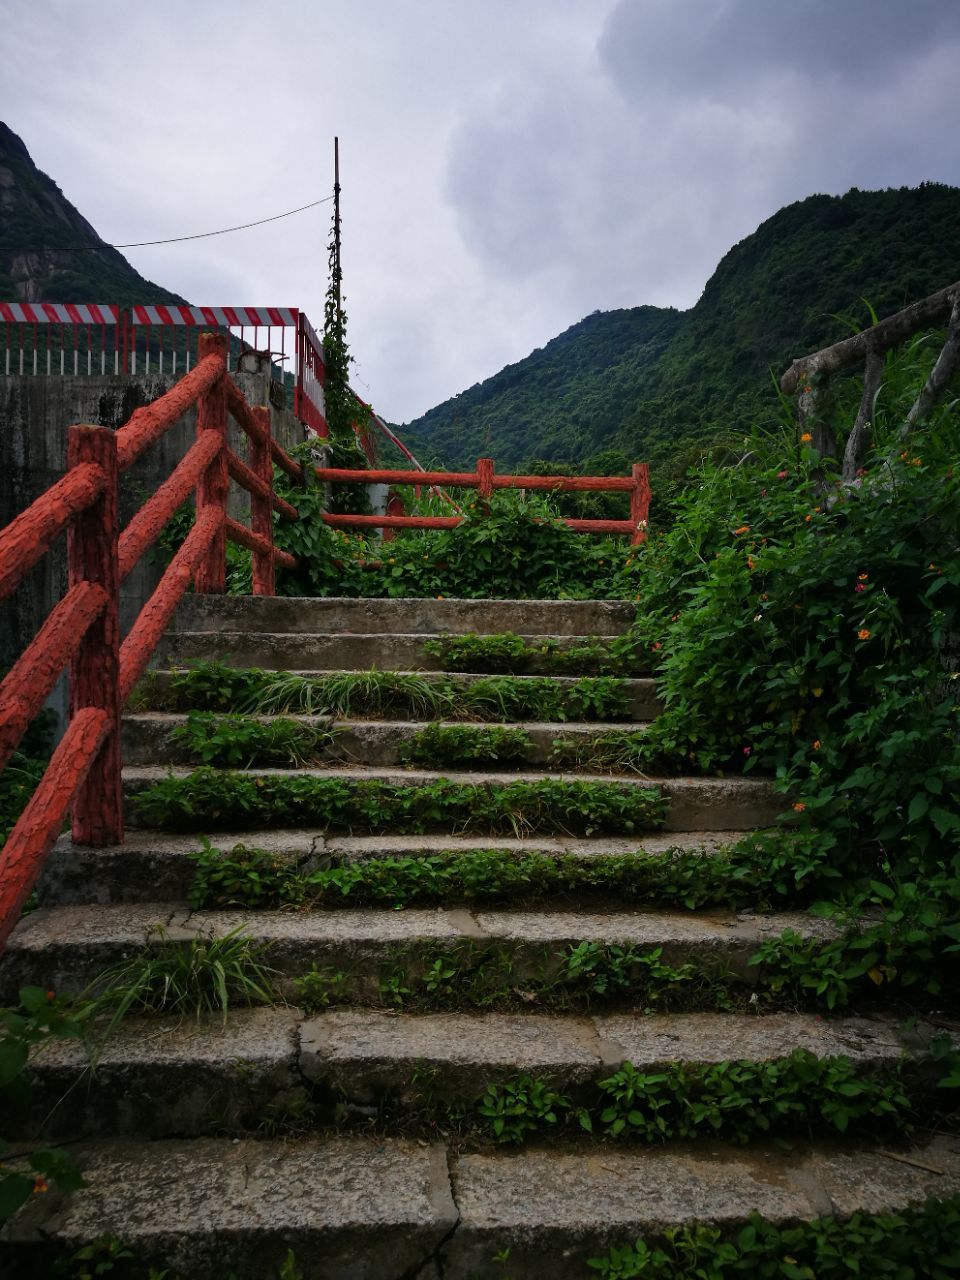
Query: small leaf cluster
pixel 513 654
pixel 922 1241
pixel 444 745
pixel 241 741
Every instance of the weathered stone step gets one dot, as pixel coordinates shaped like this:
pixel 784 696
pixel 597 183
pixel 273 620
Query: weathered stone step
pixel 342 650
pixel 154 866
pixel 66 948
pixel 380 1209
pixel 149 739
pixel 694 804
pixel 427 615
pixel 185 1077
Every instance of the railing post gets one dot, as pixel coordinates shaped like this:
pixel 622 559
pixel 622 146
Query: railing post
pixel 485 486
pixel 261 510
pixel 639 502
pixel 95 670
pixel 211 575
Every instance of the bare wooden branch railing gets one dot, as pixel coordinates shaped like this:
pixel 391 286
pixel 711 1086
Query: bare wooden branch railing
pixel 809 378
pixel 82 632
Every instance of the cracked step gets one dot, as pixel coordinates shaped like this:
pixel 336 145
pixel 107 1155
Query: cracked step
pixel 185 1077
pixel 350 1209
pixel 149 739
pixel 694 804
pixel 65 948
pixel 153 866
pixel 388 1209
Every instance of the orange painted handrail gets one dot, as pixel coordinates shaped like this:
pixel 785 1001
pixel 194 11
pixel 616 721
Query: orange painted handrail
pixel 484 479
pixel 82 631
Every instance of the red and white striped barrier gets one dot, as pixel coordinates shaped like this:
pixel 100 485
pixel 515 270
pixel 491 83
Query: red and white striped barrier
pixel 219 317
pixel 160 333
pixel 59 313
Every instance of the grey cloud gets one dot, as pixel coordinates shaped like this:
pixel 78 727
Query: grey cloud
pixel 706 46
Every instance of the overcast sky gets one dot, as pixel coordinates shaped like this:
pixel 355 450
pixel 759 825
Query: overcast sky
pixel 508 166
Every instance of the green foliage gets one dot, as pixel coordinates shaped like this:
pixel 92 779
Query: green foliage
pixel 921 1241
pixel 24 769
pixel 513 654
pixel 245 877
pixel 241 741
pixel 912 949
pixel 38 1019
pixel 205 975
pixel 211 798
pixel 520 1106
pixel 445 745
pixel 645 380
pixel 213 686
pixel 317 989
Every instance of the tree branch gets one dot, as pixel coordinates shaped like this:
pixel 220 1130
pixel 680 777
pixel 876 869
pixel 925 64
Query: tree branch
pixel 940 375
pixel 859 437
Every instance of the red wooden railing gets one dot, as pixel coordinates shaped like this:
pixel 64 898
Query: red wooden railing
pixel 485 480
pixel 82 632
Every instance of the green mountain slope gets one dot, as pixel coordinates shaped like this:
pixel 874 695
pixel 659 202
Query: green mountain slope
pixel 40 232
pixel 645 380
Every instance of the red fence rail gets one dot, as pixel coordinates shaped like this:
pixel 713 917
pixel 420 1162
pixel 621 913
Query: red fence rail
pixel 485 480
pixel 82 632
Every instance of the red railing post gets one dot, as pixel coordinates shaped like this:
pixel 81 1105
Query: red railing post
pixel 261 509
pixel 639 502
pixel 92 538
pixel 211 575
pixel 485 485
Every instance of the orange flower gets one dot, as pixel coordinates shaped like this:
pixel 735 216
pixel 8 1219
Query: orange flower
pixel 806 437
pixel 744 528
pixel 816 745
pixel 799 806
pixel 807 519
pixel 864 634
pixel 39 1186
pixel 862 577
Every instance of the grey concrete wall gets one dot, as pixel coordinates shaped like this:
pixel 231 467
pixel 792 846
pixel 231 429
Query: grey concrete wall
pixel 34 415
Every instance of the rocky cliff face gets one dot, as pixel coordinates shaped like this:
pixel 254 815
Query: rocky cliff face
pixel 44 242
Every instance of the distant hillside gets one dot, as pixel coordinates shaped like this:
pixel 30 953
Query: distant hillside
pixel 38 229
pixel 644 380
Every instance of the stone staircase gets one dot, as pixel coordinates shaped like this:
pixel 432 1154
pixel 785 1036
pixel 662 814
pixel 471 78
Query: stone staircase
pixel 213 1146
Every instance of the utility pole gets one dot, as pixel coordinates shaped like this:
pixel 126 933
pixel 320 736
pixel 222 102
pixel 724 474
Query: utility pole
pixel 337 276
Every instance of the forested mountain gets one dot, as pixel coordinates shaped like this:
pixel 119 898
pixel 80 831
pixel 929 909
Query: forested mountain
pixel 643 381
pixel 41 239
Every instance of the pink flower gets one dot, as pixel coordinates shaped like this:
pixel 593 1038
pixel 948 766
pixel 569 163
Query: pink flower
pixel 747 750
pixel 782 475
pixel 859 587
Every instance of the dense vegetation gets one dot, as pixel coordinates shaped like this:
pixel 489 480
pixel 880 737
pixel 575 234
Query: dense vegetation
pixel 644 381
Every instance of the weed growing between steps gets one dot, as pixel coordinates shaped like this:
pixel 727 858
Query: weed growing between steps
pixel 108 1255
pixel 440 746
pixel 205 975
pixel 241 741
pixel 921 1243
pixel 741 875
pixel 512 654
pixel 211 798
pixel 214 686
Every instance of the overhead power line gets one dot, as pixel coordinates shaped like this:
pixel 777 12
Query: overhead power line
pixel 200 235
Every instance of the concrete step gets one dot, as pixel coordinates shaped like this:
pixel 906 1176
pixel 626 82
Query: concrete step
pixel 66 948
pixel 336 615
pixel 694 804
pixel 380 1209
pixel 149 739
pixel 640 692
pixel 341 650
pixel 189 1077
pixel 155 866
